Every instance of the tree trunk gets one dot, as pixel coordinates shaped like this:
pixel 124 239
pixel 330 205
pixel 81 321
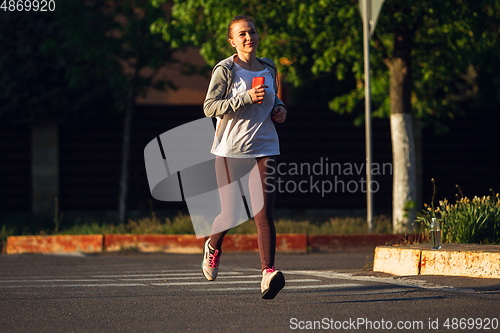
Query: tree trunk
pixel 127 125
pixel 44 166
pixel 403 144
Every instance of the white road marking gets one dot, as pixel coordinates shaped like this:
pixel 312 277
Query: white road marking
pixel 80 285
pixel 400 281
pixel 56 280
pixel 191 277
pixel 222 282
pixel 155 271
pixel 235 277
pixel 98 275
pixel 314 286
pixel 159 274
pixel 194 277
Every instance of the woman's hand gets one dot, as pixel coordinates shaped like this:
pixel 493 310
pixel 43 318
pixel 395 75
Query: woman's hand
pixel 257 94
pixel 278 114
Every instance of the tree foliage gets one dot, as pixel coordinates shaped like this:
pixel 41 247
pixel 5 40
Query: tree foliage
pixel 425 58
pixel 143 54
pixel 86 59
pixel 78 61
pixel 58 64
pixel 452 45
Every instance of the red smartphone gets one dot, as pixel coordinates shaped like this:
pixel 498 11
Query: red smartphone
pixel 257 81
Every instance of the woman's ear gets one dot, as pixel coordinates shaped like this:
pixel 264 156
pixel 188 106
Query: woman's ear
pixel 232 43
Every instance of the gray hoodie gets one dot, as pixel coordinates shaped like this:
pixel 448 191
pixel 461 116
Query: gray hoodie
pixel 216 104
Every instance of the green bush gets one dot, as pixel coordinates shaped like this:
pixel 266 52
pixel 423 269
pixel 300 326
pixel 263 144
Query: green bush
pixel 474 221
pixel 180 224
pixel 176 224
pixel 6 232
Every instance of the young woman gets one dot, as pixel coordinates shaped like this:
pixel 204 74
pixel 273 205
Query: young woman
pixel 245 140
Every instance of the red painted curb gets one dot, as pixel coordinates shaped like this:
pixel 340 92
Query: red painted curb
pixel 319 243
pixel 191 244
pixel 288 243
pixel 154 243
pixel 240 243
pixel 54 244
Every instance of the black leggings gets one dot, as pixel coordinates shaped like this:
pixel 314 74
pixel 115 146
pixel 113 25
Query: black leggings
pixel 263 174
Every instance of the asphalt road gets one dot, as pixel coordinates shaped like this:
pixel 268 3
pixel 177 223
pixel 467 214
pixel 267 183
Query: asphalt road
pixel 133 292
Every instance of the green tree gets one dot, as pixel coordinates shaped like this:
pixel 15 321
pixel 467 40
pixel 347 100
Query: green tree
pixel 424 58
pixel 83 60
pixel 142 55
pixel 57 65
pixel 57 69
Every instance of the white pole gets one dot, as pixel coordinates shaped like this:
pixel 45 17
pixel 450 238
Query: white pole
pixel 368 122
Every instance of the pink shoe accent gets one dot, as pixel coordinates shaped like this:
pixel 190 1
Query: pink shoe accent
pixel 269 269
pixel 213 259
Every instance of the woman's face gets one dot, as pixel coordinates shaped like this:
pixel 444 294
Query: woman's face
pixel 244 37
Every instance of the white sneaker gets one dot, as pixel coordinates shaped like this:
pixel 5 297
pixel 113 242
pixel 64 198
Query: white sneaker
pixel 210 263
pixel 272 282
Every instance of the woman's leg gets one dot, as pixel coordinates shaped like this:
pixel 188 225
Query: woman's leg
pixel 229 195
pixel 264 218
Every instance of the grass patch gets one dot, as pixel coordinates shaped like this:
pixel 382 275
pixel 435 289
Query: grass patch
pixel 181 224
pixel 336 225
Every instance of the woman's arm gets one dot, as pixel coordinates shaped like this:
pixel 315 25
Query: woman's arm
pixel 216 104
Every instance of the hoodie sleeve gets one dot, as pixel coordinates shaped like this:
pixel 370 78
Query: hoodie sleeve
pixel 278 101
pixel 216 104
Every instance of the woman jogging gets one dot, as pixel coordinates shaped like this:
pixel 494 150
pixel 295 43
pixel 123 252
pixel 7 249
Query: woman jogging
pixel 245 142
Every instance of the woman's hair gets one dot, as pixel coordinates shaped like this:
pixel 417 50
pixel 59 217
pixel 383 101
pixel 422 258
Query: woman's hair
pixel 236 19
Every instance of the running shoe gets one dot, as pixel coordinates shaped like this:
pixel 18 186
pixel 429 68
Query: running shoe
pixel 272 282
pixel 210 263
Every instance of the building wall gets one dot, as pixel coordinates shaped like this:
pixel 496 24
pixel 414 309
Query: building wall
pixel 191 89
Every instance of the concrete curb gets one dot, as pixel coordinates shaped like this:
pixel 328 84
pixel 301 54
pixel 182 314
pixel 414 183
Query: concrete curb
pixel 469 260
pixel 285 243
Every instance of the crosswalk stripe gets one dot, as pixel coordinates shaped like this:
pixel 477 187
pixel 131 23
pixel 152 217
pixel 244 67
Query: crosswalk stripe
pixel 79 285
pixel 223 282
pixel 234 280
pixel 194 276
pixel 314 286
pixel 143 284
pixel 399 281
pixel 198 275
pixel 319 286
pixel 160 274
pixel 56 280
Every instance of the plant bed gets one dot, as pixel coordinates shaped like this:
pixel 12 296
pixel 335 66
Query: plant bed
pixel 467 221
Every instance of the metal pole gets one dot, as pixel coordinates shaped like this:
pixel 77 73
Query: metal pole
pixel 368 122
